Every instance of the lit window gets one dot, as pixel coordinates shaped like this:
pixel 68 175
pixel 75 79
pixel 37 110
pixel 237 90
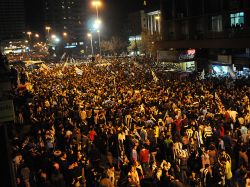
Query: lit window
pixel 237 19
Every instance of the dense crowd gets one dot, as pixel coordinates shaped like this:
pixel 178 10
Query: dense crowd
pixel 116 125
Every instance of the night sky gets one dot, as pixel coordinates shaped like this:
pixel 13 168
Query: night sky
pixel 113 13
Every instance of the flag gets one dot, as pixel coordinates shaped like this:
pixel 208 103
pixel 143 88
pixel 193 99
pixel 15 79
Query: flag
pixel 44 67
pixel 232 74
pixel 59 73
pixel 78 71
pixel 63 56
pixel 216 96
pixel 154 76
pixel 202 76
pixel 65 64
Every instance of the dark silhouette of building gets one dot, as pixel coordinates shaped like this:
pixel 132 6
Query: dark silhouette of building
pixel 212 27
pixel 12 19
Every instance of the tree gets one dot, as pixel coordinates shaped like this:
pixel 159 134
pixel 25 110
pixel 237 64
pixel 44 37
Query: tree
pixel 115 45
pixel 146 45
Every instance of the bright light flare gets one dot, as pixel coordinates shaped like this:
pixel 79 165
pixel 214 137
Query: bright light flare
pixel 96 3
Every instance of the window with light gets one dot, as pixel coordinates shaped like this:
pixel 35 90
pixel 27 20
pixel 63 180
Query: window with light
pixel 237 19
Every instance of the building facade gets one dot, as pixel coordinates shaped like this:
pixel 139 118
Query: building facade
pixel 12 19
pixel 66 16
pixel 215 28
pixel 144 30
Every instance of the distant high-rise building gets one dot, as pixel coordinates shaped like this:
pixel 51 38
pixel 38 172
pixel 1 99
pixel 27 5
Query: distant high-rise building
pixel 66 16
pixel 12 19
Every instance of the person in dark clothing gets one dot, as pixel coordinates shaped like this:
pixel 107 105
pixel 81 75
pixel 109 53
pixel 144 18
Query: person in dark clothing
pixel 207 176
pixel 57 178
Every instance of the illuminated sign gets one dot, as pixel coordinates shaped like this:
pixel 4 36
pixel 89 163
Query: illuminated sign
pixel 176 56
pixel 69 46
pixel 189 55
pixel 133 38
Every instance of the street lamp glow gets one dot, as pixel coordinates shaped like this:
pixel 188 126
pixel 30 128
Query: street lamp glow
pixel 98 21
pixel 57 39
pixel 37 35
pixel 96 3
pixel 29 33
pixel 157 17
pixel 65 34
pixel 91 43
pixel 97 24
pixel 47 28
pixel 53 36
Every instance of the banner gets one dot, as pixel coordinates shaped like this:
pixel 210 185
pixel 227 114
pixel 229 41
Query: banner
pixel 154 76
pixel 202 76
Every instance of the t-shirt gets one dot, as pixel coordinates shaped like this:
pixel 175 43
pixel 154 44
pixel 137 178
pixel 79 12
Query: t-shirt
pixel 92 135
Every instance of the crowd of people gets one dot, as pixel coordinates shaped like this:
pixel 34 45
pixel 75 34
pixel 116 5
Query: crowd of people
pixel 124 124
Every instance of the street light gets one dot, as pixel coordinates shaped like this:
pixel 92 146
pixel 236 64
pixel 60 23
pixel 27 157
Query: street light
pixel 48 29
pixel 96 4
pixel 65 34
pixel 91 43
pixel 97 24
pixel 29 33
pixel 53 36
pixel 157 19
pixel 37 35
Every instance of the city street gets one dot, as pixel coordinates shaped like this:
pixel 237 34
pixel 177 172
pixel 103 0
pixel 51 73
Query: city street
pixel 124 93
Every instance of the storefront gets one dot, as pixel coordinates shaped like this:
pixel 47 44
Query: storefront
pixel 222 66
pixel 241 65
pixel 177 60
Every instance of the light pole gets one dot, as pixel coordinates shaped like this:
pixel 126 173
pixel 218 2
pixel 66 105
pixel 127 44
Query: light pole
pixel 96 4
pixel 91 43
pixel 29 34
pixel 48 29
pixel 99 41
pixel 158 21
pixel 97 26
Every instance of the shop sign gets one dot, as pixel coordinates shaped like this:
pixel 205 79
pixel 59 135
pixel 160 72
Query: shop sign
pixel 187 55
pixel 176 56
